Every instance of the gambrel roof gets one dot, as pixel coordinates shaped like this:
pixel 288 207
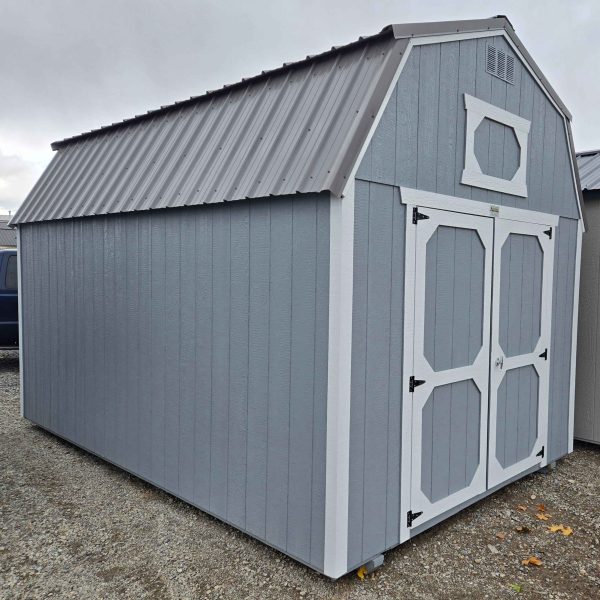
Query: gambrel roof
pixel 297 128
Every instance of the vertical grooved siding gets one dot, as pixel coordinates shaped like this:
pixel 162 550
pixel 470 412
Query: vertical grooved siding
pixel 189 347
pixel 374 485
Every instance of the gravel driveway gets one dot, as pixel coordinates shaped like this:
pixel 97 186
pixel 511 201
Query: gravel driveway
pixel 73 526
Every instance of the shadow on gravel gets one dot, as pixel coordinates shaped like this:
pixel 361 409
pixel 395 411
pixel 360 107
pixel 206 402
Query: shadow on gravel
pixel 9 361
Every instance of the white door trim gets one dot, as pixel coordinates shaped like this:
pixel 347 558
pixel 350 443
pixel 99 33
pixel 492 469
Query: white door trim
pixel 337 454
pixel 407 370
pixel 478 371
pixel 474 207
pixel 498 474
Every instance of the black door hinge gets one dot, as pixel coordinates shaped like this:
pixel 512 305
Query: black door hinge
pixel 541 452
pixel 544 354
pixel 412 516
pixel 548 232
pixel 413 383
pixel 417 216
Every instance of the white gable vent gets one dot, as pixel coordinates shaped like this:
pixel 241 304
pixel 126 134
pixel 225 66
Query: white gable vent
pixel 500 64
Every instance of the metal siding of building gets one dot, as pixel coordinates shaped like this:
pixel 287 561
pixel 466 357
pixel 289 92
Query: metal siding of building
pixel 375 427
pixel 190 348
pixel 588 164
pixel 287 133
pixel 428 117
pixel 587 397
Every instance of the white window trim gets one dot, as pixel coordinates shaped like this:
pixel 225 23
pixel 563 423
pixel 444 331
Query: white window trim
pixel 477 111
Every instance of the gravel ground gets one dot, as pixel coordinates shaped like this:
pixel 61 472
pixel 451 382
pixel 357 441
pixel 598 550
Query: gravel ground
pixel 73 526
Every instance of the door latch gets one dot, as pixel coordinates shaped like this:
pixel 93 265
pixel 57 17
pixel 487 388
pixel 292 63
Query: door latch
pixel 500 362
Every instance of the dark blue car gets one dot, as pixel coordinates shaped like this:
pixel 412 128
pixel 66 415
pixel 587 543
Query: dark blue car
pixel 9 300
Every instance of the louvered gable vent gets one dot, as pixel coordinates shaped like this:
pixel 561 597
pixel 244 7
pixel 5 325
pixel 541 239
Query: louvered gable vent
pixel 500 64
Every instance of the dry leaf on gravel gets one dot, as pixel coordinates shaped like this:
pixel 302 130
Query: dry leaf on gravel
pixel 522 529
pixel 542 516
pixel 361 572
pixel 541 508
pixel 522 508
pixel 500 535
pixel 560 528
pixel 532 560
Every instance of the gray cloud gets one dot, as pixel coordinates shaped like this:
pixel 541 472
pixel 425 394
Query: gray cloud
pixel 72 65
pixel 17 176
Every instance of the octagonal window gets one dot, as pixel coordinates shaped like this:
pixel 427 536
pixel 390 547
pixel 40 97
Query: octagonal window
pixel 454 292
pixel 450 439
pixel 496 149
pixel 521 279
pixel 517 417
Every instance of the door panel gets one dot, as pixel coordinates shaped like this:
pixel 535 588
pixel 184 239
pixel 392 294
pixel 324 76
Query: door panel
pixel 453 267
pixel 519 365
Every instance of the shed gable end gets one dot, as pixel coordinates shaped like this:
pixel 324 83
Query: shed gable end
pixel 420 139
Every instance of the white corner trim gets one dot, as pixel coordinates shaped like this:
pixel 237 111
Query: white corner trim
pixel 574 336
pixel 474 207
pixel 20 316
pixel 337 472
pixel 407 371
pixel 477 111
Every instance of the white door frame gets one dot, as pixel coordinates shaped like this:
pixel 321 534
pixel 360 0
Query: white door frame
pixel 415 198
pixel 478 370
pixel 504 228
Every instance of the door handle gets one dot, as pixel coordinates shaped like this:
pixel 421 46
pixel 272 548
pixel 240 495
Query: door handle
pixel 500 362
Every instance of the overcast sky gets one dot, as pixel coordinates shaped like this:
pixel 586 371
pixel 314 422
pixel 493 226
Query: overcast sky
pixel 67 66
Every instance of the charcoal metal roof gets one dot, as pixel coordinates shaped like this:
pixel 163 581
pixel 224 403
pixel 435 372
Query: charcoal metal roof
pixel 297 128
pixel 588 164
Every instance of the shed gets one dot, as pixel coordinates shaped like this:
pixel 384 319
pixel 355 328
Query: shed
pixel 587 403
pixel 8 236
pixel 331 304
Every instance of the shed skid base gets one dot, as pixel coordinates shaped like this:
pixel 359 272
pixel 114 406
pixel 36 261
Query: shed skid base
pixel 374 563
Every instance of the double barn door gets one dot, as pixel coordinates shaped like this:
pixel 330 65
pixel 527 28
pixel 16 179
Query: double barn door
pixel 479 390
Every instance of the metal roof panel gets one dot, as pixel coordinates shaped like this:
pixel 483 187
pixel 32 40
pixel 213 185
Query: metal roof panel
pixel 588 164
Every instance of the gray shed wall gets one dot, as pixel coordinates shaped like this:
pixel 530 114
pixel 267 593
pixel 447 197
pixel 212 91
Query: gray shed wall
pixel 377 330
pixel 419 143
pixel 587 397
pixel 189 346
